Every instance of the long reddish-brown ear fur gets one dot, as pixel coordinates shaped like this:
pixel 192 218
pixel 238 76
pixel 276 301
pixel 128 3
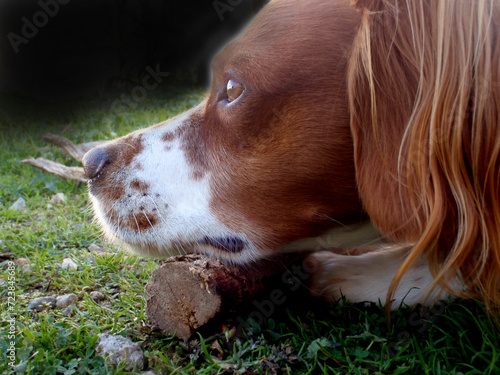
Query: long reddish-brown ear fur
pixel 424 92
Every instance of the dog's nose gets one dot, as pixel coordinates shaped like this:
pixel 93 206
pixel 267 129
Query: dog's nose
pixel 95 161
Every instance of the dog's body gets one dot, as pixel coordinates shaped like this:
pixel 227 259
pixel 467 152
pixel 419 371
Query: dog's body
pixel 323 114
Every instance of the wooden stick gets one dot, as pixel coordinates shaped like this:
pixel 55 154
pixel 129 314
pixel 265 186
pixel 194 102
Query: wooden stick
pixel 68 173
pixel 188 293
pixel 75 151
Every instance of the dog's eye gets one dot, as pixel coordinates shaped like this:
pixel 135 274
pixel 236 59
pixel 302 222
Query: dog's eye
pixel 233 90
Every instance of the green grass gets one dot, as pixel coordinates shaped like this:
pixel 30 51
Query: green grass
pixel 455 338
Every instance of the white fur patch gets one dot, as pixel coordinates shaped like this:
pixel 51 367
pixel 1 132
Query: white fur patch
pixel 367 278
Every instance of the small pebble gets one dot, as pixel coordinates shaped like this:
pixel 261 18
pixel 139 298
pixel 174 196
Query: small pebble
pixel 94 248
pixel 97 296
pixel 42 303
pixel 58 198
pixel 65 300
pixel 18 205
pixel 26 268
pixel 68 311
pixel 22 261
pixel 69 265
pixel 118 349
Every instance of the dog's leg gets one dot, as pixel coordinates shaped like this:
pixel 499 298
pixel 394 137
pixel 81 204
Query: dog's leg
pixel 367 277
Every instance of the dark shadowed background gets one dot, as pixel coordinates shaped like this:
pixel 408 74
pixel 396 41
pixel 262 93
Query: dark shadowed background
pixel 57 50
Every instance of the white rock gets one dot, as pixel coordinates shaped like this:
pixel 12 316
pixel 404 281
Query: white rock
pixel 69 265
pixel 94 248
pixel 42 303
pixel 65 300
pixel 118 349
pixel 18 205
pixel 58 198
pixel 68 311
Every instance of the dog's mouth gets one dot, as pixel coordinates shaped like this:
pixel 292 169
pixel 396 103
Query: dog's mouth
pixel 227 244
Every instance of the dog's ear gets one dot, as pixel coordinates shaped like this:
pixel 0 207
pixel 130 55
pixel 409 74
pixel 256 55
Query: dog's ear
pixel 423 85
pixel 382 83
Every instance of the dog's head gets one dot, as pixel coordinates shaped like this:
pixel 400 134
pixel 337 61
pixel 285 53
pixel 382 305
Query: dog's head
pixel 265 159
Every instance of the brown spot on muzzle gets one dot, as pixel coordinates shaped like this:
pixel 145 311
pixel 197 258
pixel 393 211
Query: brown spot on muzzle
pixel 141 221
pixel 130 146
pixel 116 193
pixel 168 137
pixel 139 185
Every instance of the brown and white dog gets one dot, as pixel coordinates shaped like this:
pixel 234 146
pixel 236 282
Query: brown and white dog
pixel 324 113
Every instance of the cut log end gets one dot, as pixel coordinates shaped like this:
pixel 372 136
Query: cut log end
pixel 181 297
pixel 189 293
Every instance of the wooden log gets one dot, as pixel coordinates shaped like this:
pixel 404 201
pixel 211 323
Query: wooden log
pixel 68 173
pixel 189 293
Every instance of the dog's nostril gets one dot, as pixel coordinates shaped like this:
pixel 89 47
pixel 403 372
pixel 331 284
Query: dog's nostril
pixel 95 161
